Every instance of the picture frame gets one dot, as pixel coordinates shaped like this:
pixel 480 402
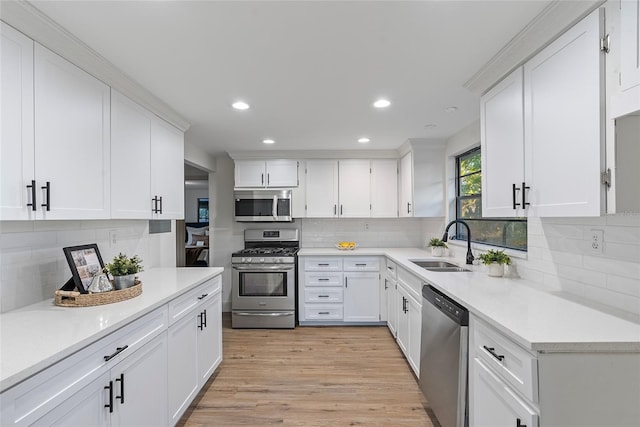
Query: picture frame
pixel 85 262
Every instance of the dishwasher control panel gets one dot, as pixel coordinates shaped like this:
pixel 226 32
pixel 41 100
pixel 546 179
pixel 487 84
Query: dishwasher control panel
pixel 445 304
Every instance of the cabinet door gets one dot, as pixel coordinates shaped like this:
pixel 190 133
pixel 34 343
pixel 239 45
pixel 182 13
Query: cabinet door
pixel 414 313
pixel 402 331
pixel 564 123
pixel 210 338
pixel 492 403
pixel 167 169
pixel 406 186
pixel 282 173
pixel 130 159
pixel 392 306
pixel 629 44
pixel 502 138
pixel 384 188
pixel 361 297
pixel 16 142
pixel 84 408
pixel 182 370
pixel 354 188
pixel 250 173
pixel 140 386
pixel 322 188
pixel 72 141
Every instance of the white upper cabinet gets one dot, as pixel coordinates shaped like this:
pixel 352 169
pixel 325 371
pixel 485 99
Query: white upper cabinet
pixel 502 139
pixel 266 173
pixel 406 186
pixel 421 184
pixel 322 188
pixel 130 159
pixel 167 170
pixel 354 188
pixel 384 188
pixel 72 141
pixel 16 143
pixel 564 131
pixel 630 44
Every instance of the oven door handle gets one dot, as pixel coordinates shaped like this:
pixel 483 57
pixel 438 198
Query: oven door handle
pixel 264 267
pixel 244 313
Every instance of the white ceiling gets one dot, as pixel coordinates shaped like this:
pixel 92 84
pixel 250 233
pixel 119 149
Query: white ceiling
pixel 310 69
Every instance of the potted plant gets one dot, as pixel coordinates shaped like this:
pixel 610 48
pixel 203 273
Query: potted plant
pixel 124 269
pixel 496 261
pixel 437 247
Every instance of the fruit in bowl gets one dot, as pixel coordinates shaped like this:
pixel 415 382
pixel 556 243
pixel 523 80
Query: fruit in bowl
pixel 346 245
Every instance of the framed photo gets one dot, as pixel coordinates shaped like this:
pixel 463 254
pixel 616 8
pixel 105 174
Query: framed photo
pixel 85 262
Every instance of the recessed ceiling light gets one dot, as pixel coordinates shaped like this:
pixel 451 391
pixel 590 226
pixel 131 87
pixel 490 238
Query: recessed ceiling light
pixel 240 105
pixel 381 103
pixel 451 109
pixel 430 126
pixel 363 140
pixel 268 141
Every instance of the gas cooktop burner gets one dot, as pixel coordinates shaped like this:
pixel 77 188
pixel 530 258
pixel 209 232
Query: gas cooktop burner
pixel 268 251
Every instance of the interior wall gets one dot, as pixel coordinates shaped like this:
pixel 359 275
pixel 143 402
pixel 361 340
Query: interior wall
pixel 191 196
pixel 33 265
pixel 559 257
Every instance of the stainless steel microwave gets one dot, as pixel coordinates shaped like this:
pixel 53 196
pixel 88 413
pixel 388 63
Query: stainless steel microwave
pixel 263 206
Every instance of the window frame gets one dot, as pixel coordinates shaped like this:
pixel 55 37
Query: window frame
pixel 201 203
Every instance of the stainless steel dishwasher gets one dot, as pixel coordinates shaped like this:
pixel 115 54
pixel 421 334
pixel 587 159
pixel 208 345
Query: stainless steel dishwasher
pixel 443 357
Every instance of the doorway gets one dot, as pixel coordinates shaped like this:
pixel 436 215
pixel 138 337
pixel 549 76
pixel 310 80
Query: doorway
pixel 192 234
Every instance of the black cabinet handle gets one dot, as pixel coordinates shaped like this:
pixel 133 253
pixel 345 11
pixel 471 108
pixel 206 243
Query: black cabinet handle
pixel 262 179
pixel 121 381
pixel 155 204
pixel 524 196
pixel 335 207
pixel 408 207
pixel 47 203
pixel 117 352
pixel 110 404
pixel 160 200
pixel 323 312
pixel 513 195
pixel 386 284
pixel 33 195
pixel 268 179
pixel 346 282
pixel 361 265
pixel 323 265
pixel 404 305
pixel 323 296
pixel 519 423
pixel 340 209
pixel 323 280
pixel 492 351
pixel 204 316
pixel 201 324
pixel 203 296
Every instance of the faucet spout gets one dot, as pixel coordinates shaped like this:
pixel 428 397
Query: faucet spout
pixel 445 237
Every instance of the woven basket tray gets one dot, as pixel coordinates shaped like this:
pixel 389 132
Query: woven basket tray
pixel 76 299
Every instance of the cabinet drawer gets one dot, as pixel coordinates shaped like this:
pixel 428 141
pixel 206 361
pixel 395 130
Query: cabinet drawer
pixel 323 294
pixel 323 312
pixel 183 305
pixel 361 264
pixel 509 361
pixel 493 403
pixel 413 283
pixel 323 279
pixel 391 270
pixel 323 264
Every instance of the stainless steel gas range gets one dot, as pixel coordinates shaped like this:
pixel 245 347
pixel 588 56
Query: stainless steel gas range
pixel 264 280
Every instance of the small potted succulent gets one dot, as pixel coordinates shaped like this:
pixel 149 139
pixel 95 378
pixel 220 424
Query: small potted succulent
pixel 124 269
pixel 437 247
pixel 495 260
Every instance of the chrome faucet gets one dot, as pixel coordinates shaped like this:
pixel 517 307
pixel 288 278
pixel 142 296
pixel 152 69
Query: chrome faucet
pixel 445 237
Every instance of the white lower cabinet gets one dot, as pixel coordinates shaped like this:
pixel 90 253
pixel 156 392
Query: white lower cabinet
pixel 409 325
pixel 336 290
pixel 194 325
pixel 391 298
pixel 129 377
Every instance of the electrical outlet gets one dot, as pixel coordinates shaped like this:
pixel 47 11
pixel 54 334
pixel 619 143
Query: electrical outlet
pixel 597 241
pixel 113 238
pixel 366 226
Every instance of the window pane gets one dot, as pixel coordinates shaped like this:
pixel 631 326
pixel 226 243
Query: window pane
pixel 470 208
pixel 470 162
pixel 471 185
pixel 507 234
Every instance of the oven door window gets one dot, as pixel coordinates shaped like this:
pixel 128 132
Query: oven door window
pixel 261 284
pixel 254 207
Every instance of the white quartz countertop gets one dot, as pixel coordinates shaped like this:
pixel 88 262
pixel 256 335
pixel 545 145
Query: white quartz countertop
pixel 537 320
pixel 36 336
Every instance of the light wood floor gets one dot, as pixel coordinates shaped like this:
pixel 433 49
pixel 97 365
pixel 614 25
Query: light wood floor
pixel 310 376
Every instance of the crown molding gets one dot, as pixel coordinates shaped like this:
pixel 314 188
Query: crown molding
pixel 313 154
pixel 554 19
pixel 29 20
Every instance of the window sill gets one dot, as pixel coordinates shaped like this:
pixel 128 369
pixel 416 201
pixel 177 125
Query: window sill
pixel 513 253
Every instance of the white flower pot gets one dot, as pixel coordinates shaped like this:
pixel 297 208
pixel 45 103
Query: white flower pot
pixel 437 251
pixel 495 269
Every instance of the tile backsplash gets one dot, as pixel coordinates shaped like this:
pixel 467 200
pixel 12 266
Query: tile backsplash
pixel 33 265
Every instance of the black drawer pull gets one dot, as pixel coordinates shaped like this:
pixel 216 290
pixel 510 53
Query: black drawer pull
pixel 110 404
pixel 361 265
pixel 323 312
pixel 323 296
pixel 492 351
pixel 203 296
pixel 121 381
pixel 323 265
pixel 323 280
pixel 117 352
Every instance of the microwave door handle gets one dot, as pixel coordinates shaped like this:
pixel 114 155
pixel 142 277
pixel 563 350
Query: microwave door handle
pixel 275 207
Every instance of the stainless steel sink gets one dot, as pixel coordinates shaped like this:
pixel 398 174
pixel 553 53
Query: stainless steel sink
pixel 442 266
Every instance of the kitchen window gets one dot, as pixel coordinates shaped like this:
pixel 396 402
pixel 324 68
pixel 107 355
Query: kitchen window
pixel 508 233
